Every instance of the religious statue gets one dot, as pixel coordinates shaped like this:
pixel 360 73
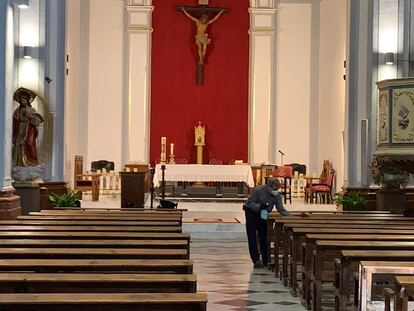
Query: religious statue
pixel 25 129
pixel 201 38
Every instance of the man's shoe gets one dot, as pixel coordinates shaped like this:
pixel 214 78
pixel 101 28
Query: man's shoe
pixel 257 264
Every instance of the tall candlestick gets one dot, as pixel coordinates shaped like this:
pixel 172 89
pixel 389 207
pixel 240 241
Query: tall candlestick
pixel 163 150
pixel 172 148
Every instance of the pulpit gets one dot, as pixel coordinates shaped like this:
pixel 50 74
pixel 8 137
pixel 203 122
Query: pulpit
pixel 134 187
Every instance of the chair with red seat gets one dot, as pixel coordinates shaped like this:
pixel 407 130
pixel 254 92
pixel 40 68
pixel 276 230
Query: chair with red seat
pixel 324 191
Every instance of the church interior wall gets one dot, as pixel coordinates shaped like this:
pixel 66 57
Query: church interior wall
pixel 95 82
pixel 105 81
pixel 331 111
pixel 387 37
pixel 73 114
pixel 293 82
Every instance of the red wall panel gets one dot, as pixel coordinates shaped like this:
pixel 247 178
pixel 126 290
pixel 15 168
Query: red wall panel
pixel 221 103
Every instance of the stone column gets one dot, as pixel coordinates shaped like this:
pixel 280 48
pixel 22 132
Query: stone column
pixel 262 101
pixel 138 27
pixel 9 202
pixel 359 92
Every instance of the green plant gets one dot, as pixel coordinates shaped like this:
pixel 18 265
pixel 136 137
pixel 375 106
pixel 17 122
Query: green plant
pixel 352 201
pixel 68 199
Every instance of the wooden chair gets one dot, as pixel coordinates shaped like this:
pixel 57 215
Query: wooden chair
pixel 327 168
pixel 85 182
pixel 285 174
pixel 324 191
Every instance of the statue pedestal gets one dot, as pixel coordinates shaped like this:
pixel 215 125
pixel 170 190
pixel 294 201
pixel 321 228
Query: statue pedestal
pixel 391 200
pixel 49 187
pixel 29 195
pixel 9 205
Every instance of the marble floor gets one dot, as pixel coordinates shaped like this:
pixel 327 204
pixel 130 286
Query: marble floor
pixel 225 272
pixel 221 259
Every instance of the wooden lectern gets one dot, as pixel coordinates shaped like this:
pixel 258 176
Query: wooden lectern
pixel 135 183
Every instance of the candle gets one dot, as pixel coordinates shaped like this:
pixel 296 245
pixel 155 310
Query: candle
pixel 163 149
pixel 172 149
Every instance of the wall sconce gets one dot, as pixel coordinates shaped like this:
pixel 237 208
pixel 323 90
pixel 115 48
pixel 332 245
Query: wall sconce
pixel 22 4
pixel 389 58
pixel 27 52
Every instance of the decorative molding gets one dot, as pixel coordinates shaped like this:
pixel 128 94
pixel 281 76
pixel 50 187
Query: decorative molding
pixel 139 2
pixel 262 3
pixel 139 16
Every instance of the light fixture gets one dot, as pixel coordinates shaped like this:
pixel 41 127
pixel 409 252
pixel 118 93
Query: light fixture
pixel 389 58
pixel 22 4
pixel 27 52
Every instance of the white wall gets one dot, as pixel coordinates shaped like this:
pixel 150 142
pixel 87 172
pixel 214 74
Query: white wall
pixel 94 86
pixel 72 98
pixel 387 37
pixel 105 81
pixel 331 115
pixel 292 82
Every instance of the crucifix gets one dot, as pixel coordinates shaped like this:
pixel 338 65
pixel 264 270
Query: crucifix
pixel 201 39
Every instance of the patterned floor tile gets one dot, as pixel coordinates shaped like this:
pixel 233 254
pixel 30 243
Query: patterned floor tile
pixel 226 274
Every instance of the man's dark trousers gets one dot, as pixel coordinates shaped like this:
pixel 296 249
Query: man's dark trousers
pixel 255 224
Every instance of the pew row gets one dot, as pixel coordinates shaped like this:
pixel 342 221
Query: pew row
pixel 103 301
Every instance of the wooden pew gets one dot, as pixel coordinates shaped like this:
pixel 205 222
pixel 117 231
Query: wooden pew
pixel 98 217
pixel 108 211
pixel 294 238
pixel 350 258
pixel 320 252
pixel 96 235
pixel 404 290
pixel 93 253
pixel 108 243
pixel 180 266
pixel 172 229
pixel 97 283
pixel 99 302
pixel 367 272
pixel 86 222
pixel 366 222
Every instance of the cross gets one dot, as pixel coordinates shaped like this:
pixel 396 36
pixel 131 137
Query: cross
pixel 202 38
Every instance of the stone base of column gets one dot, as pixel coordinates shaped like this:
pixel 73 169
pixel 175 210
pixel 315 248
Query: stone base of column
pixel 391 200
pixel 9 205
pixel 49 187
pixel 30 196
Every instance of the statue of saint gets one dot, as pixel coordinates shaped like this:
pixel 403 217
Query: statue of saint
pixel 25 123
pixel 202 39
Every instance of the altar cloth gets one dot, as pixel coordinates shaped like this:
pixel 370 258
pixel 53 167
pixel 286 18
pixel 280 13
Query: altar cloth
pixel 205 173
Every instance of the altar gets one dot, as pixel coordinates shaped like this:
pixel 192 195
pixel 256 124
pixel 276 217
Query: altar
pixel 193 173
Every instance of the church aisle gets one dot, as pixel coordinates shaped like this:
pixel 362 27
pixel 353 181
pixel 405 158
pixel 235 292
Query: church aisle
pixel 225 272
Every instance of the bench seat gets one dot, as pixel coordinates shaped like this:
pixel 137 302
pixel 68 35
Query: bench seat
pixel 107 302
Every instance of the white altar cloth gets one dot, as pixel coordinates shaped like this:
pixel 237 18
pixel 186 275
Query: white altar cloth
pixel 205 173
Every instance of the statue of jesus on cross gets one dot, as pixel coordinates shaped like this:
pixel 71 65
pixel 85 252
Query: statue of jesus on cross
pixel 202 39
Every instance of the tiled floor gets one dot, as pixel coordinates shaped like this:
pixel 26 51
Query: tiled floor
pixel 225 272
pixel 221 259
